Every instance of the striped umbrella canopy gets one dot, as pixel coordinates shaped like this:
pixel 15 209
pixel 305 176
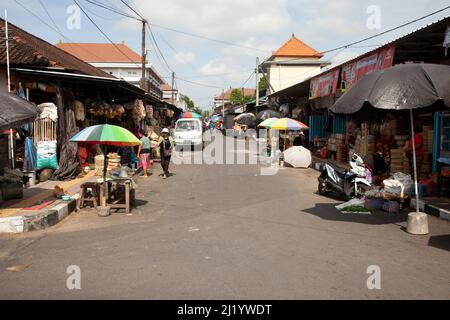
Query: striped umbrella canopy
pixel 190 115
pixel 288 124
pixel 267 123
pixel 107 134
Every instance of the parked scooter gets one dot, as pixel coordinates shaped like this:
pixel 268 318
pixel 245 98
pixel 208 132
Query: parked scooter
pixel 350 184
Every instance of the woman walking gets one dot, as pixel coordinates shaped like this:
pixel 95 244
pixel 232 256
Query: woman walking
pixel 144 153
pixel 166 145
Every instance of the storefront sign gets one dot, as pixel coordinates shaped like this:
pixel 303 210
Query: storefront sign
pixel 353 72
pixel 324 85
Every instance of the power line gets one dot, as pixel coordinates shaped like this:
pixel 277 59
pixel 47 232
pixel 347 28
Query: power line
pixel 104 34
pixel 48 14
pixel 208 38
pixel 197 83
pixel 54 29
pixel 251 76
pixel 131 8
pixel 387 31
pixel 157 48
pixel 112 9
pixel 97 15
pixel 352 44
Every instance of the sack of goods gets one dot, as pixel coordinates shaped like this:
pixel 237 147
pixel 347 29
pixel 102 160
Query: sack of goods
pixel 46 155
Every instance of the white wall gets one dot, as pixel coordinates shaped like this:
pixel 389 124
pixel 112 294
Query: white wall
pixel 284 76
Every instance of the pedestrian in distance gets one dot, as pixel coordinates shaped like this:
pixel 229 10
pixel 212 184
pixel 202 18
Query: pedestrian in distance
pixel 144 153
pixel 166 145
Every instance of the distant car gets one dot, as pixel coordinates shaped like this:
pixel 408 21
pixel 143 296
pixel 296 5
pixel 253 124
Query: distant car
pixel 188 133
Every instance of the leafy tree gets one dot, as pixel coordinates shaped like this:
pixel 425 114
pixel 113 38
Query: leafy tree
pixel 263 85
pixel 237 98
pixel 189 103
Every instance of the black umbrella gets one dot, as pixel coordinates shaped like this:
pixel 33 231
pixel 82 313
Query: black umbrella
pixel 402 87
pixel 266 114
pixel 15 111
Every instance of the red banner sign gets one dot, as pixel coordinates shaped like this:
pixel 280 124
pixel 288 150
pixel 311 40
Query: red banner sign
pixel 324 85
pixel 353 72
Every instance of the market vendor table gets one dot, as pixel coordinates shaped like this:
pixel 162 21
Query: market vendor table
pixel 125 199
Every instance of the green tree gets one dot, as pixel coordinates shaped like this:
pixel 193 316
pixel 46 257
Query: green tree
pixel 189 103
pixel 236 97
pixel 263 85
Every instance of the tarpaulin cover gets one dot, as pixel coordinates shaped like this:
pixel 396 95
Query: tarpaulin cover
pixel 407 86
pixel 15 111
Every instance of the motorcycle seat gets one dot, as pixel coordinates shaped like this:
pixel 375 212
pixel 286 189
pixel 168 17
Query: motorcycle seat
pixel 340 171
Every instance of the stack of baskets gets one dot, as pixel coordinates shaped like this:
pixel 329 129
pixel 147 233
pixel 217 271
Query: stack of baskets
pixel 113 161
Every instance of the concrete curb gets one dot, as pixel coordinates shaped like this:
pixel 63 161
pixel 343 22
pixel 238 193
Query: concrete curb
pixel 38 221
pixel 431 210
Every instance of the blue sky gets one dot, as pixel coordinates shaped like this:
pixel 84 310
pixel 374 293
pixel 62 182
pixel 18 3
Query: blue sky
pixel 261 24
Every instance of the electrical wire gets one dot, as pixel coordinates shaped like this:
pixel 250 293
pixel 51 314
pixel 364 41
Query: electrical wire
pixel 198 84
pixel 208 38
pixel 104 34
pixel 112 9
pixel 56 30
pixel 49 16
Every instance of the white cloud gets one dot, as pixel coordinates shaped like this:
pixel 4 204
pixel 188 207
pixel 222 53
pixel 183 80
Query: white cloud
pixel 213 67
pixel 184 57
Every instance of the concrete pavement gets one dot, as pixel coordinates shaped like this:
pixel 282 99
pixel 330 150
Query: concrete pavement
pixel 226 232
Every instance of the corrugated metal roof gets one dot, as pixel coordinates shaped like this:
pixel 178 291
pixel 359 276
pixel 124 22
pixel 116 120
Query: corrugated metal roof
pixel 393 41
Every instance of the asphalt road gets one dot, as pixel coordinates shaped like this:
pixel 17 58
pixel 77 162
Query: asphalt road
pixel 227 232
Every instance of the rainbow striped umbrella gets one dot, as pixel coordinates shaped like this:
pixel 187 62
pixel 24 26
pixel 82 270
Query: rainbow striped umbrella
pixel 107 134
pixel 287 124
pixel 267 123
pixel 193 115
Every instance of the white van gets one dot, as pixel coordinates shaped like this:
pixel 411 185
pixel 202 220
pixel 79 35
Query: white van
pixel 188 133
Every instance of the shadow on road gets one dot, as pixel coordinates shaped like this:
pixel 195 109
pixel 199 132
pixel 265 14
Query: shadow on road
pixel 327 211
pixel 440 242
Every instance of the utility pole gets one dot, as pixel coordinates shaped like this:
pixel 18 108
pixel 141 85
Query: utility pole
pixel 11 136
pixel 173 87
pixel 257 85
pixel 223 103
pixel 143 65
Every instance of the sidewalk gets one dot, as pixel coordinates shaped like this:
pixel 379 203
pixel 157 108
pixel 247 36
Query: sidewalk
pixel 438 207
pixel 39 209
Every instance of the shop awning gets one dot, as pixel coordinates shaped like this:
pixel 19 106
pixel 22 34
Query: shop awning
pixel 15 111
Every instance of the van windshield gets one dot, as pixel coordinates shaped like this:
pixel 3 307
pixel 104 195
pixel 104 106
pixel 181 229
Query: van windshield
pixel 187 126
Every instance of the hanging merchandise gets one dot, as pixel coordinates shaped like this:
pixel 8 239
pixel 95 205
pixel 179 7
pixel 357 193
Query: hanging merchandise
pixel 118 110
pixel 150 111
pixel 46 155
pixel 48 110
pixel 29 163
pixel 138 110
pixel 79 111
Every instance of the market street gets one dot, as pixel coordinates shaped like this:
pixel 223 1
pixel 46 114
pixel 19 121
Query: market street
pixel 226 232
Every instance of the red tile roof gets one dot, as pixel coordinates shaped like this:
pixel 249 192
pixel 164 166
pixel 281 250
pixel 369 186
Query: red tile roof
pixel 101 52
pixel 294 47
pixel 166 87
pixel 227 94
pixel 26 49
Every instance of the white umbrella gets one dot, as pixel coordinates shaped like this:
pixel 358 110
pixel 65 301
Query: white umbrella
pixel 298 157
